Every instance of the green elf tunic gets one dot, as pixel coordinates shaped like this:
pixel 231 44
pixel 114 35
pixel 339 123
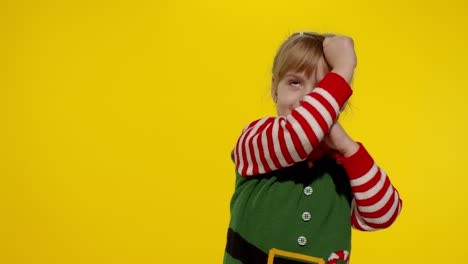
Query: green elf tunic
pixel 298 214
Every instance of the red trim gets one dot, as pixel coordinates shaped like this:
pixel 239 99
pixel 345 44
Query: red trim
pixel 357 164
pixel 337 86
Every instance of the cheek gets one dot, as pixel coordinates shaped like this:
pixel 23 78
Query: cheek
pixel 291 97
pixel 288 101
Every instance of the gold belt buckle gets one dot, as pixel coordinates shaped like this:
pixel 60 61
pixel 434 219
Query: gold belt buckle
pixel 274 253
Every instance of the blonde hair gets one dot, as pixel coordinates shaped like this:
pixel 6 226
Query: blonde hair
pixel 300 52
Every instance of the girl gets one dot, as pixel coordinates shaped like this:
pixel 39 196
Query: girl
pixel 301 181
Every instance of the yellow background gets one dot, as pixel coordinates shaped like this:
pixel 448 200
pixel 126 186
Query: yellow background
pixel 118 118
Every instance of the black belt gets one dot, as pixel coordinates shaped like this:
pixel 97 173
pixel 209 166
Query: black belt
pixel 247 253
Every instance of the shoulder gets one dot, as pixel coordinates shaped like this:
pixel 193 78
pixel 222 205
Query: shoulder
pixel 257 123
pixel 254 125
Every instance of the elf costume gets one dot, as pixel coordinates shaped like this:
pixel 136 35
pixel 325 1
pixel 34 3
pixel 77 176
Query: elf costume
pixel 283 209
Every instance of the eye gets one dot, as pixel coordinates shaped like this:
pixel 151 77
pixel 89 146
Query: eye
pixel 295 83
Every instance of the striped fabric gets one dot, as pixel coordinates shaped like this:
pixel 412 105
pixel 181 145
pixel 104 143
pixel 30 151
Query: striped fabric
pixel 376 203
pixel 272 143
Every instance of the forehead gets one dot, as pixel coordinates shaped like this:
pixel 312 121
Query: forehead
pixel 297 74
pixel 300 56
pixel 315 70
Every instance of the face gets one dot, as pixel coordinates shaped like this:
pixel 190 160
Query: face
pixel 295 85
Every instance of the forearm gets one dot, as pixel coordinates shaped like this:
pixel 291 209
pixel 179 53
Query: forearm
pixel 346 72
pixel 376 202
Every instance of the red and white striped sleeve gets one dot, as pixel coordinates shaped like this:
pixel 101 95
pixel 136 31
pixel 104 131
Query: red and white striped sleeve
pixel 376 203
pixel 272 143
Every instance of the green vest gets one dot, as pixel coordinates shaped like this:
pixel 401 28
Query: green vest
pixel 297 211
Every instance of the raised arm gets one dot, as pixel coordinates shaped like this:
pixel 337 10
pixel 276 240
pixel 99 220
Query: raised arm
pixel 273 143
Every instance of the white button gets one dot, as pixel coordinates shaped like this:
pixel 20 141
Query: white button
pixel 302 240
pixel 306 216
pixel 308 190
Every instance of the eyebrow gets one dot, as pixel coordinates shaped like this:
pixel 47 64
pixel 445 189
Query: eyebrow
pixel 295 75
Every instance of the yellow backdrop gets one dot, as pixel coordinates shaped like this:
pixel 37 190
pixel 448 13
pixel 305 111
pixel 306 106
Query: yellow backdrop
pixel 118 118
